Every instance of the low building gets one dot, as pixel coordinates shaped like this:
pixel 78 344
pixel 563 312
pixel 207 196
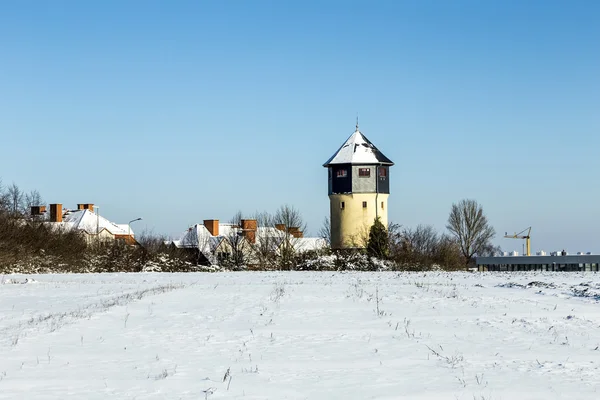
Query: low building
pixel 559 261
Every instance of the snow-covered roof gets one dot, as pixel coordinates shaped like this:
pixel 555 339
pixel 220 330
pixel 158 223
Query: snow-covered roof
pixel 198 236
pixel 90 222
pixel 358 150
pixel 310 243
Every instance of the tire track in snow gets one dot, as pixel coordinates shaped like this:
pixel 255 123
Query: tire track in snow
pixel 52 322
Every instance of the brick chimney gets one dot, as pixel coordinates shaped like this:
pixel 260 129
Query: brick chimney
pixel 249 230
pixel 86 206
pixel 213 226
pixel 296 232
pixel 56 212
pixel 37 210
pixel 280 227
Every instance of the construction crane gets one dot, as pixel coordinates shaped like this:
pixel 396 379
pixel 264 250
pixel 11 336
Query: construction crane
pixel 521 236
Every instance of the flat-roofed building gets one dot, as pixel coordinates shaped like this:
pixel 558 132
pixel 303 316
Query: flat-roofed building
pixel 559 262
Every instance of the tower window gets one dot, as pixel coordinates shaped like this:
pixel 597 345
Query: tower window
pixel 382 172
pixel 382 207
pixel 364 172
pixel 342 173
pixel 364 204
pixel 342 205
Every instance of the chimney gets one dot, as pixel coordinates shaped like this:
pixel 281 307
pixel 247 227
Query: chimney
pixel 249 230
pixel 296 232
pixel 86 206
pixel 37 210
pixel 280 227
pixel 56 212
pixel 213 226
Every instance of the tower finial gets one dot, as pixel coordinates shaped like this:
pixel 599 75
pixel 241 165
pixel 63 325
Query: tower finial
pixel 356 121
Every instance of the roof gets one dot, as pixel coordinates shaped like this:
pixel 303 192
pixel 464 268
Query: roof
pixel 310 243
pixel 358 150
pixel 199 237
pixel 90 222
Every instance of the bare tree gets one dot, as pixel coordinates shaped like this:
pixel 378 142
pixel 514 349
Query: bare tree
pixel 15 199
pixel 3 198
pixel 423 240
pixel 469 225
pixel 290 219
pixel 237 258
pixel 325 231
pixel 266 241
pixel 151 242
pixel 33 198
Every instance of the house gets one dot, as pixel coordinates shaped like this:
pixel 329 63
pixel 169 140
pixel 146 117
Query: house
pixel 215 242
pixel 93 226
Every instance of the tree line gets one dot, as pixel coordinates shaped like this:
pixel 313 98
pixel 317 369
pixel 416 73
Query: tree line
pixel 28 245
pixel 469 234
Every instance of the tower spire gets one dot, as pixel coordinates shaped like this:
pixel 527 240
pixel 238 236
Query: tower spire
pixel 357 122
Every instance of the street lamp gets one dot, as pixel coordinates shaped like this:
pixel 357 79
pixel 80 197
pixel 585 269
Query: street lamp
pixel 97 220
pixel 129 226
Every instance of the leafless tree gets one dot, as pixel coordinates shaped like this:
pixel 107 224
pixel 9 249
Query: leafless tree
pixel 237 258
pixel 325 231
pixel 469 225
pixel 151 242
pixel 292 222
pixel 33 198
pixel 15 199
pixel 3 198
pixel 266 241
pixel 423 240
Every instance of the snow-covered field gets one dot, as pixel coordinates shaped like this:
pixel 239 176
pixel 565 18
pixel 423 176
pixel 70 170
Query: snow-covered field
pixel 300 336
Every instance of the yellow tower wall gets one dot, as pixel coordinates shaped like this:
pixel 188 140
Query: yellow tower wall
pixel 351 222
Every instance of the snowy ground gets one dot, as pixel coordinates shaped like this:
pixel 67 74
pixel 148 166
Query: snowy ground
pixel 300 336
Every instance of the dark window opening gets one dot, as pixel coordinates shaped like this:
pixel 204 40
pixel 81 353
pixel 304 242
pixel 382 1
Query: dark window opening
pixel 382 205
pixel 342 205
pixel 364 204
pixel 382 172
pixel 342 173
pixel 364 172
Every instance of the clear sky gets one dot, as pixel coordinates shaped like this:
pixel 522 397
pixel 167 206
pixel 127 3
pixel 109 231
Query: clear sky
pixel 188 110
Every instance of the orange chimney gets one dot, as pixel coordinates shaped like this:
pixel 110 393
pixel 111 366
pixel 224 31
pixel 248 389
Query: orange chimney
pixel 213 226
pixel 280 227
pixel 249 230
pixel 37 210
pixel 296 232
pixel 86 206
pixel 56 213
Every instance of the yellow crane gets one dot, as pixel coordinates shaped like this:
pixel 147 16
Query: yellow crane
pixel 521 236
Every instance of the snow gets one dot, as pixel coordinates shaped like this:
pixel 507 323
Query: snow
pixel 358 150
pixel 199 236
pixel 90 222
pixel 300 335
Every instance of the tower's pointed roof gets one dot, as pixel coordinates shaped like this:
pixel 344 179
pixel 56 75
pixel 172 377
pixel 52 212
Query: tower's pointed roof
pixel 358 150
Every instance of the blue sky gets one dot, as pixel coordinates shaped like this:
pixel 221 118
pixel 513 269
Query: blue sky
pixel 182 111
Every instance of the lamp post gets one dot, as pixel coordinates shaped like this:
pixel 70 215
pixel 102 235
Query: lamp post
pixel 129 226
pixel 97 220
